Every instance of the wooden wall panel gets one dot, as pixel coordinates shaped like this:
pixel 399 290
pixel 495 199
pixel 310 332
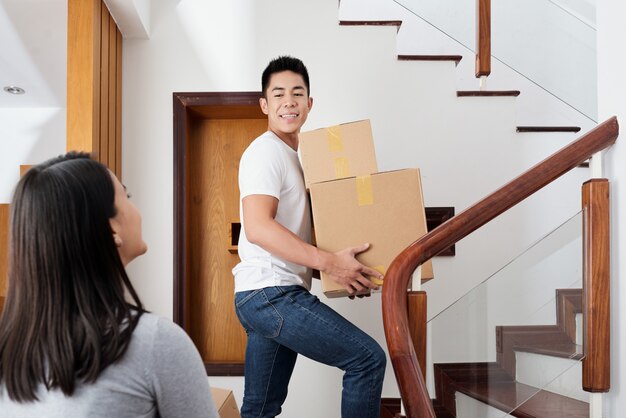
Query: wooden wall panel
pixel 4 251
pixel 103 149
pixel 94 82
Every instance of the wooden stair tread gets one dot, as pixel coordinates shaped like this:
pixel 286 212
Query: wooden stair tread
pixel 370 23
pixel 487 93
pixel 522 129
pixel 535 403
pixel 490 384
pixel 455 58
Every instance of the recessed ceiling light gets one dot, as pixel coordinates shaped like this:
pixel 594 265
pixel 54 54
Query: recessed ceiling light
pixel 14 90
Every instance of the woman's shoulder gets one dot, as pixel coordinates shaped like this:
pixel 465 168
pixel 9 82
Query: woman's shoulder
pixel 152 326
pixel 160 334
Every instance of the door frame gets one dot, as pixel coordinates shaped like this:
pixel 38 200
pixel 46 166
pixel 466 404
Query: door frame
pixel 187 107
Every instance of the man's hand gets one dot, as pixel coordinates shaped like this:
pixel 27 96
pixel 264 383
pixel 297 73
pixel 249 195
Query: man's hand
pixel 346 270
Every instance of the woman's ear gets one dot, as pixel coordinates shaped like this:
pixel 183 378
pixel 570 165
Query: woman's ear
pixel 115 228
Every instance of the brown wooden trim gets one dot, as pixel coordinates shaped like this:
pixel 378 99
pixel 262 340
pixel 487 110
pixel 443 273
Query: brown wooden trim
pixel 596 285
pixel 416 302
pixel 180 218
pixel 5 215
pixel 435 216
pixel 487 93
pixel 223 369
pixel 455 58
pixel 118 107
pixel 483 38
pixel 389 407
pixel 185 107
pixel 112 95
pixel 395 312
pixel 522 129
pixel 103 149
pixel 569 302
pixel 397 23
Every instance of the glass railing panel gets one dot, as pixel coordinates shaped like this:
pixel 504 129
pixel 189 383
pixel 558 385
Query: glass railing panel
pixel 552 43
pixel 501 340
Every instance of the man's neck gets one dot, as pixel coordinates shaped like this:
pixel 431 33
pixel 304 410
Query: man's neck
pixel 290 139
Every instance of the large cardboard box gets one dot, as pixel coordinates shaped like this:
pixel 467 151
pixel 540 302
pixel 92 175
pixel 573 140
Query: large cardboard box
pixel 385 209
pixel 225 403
pixel 336 152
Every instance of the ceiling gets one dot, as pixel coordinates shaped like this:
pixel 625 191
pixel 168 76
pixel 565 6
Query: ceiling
pixel 33 51
pixel 33 46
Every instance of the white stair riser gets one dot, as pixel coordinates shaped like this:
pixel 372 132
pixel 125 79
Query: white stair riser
pixel 468 407
pixel 554 374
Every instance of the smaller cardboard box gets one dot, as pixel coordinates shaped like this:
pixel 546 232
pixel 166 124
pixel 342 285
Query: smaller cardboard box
pixel 225 403
pixel 337 152
pixel 385 209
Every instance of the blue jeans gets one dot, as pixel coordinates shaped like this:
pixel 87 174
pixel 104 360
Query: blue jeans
pixel 286 320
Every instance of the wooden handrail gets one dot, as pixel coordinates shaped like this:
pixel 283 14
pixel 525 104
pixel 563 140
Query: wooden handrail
pixel 596 286
pixel 483 38
pixel 395 317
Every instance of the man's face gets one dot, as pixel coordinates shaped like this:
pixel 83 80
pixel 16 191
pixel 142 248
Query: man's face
pixel 287 104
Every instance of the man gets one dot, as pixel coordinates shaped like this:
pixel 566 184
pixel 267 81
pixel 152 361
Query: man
pixel 272 281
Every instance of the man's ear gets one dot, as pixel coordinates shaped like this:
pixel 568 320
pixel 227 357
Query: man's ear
pixel 263 104
pixel 310 103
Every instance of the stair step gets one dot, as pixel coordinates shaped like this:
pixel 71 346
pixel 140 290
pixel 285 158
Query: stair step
pixel 565 350
pixel 522 129
pixel 487 93
pixel 506 395
pixel 440 411
pixel 455 58
pixel 370 23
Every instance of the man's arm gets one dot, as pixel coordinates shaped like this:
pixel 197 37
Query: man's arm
pixel 261 228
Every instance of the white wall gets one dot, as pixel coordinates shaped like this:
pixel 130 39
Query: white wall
pixel 612 101
pixel 465 148
pixel 27 136
pixel 535 105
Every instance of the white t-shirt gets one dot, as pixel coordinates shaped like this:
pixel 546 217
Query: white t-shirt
pixel 271 167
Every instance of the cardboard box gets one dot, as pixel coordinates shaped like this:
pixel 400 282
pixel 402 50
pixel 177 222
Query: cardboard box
pixel 225 403
pixel 385 209
pixel 336 152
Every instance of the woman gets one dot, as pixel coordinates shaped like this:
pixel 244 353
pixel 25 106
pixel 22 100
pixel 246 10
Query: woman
pixel 71 345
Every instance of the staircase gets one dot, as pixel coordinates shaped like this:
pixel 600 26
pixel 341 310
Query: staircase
pixel 498 388
pixel 495 384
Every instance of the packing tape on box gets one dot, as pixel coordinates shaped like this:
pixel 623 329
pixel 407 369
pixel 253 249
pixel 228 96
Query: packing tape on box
pixel 335 141
pixel 364 192
pixel 380 269
pixel 342 167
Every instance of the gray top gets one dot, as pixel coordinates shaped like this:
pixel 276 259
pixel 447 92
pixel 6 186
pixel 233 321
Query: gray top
pixel 160 375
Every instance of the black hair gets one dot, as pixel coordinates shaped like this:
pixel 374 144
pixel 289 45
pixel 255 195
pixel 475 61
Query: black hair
pixel 284 63
pixel 66 317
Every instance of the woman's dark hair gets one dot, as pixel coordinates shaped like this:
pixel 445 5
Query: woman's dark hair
pixel 66 317
pixel 284 63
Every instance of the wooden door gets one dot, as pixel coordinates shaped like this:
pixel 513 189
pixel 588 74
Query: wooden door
pixel 211 132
